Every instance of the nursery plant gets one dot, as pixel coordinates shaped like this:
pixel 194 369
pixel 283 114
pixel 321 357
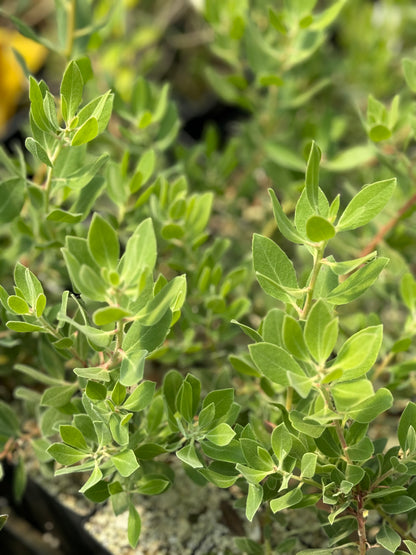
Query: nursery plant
pixel 122 317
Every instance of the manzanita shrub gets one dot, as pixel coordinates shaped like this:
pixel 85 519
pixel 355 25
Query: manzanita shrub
pixel 120 311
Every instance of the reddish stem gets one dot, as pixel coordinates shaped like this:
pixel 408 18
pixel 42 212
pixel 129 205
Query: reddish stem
pixel 388 227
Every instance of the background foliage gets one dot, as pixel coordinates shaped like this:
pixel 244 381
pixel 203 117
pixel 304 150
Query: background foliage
pixel 129 197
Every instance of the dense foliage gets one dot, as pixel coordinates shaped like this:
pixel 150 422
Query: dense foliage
pixel 130 282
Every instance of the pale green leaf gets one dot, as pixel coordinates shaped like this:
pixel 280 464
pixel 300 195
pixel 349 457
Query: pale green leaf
pixel 366 204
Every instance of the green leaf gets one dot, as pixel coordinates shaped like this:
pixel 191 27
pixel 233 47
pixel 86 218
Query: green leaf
pixel 321 331
pixel 40 305
pixel 285 226
pixel 134 526
pixel 58 395
pixel 96 391
pixel 304 210
pixel 407 419
pixel 86 133
pixel 152 486
pixel 95 477
pixel 300 423
pixel 253 334
pixel 273 326
pixel 379 132
pixel 141 397
pixel 100 109
pixel 73 437
pixel 348 394
pixel 399 505
pixel 37 110
pixel 231 453
pixel 278 291
pixel 254 499
pixel 270 261
pixel 285 157
pixel 351 158
pixel 319 229
pixel 118 394
pixel 119 429
pixel 125 462
pixel 147 337
pixel 359 353
pixel 281 442
pixel 37 375
pixel 50 110
pixel 33 288
pixel 109 314
pixel 3 520
pixel 103 242
pixel 362 407
pixel 409 70
pixel 64 454
pixel 184 400
pixel 189 456
pixel 342 268
pixel 287 500
pixel 23 327
pixel 246 545
pixel 12 197
pixel 71 91
pixel 312 177
pixel 141 252
pixel 37 150
pixel 321 21
pixel 27 31
pixel 198 212
pixel 206 416
pixel 170 297
pixel 19 480
pixel 356 284
pixel 223 400
pixel 98 493
pixel 143 171
pixel 293 338
pixel 97 337
pixel 362 451
pixel 366 204
pixel 9 423
pixel 82 176
pixel 132 367
pixel 252 475
pixel 388 538
pixel 18 305
pixel 411 546
pixel 354 474
pixel 301 384
pixel 308 465
pixel 274 362
pixel 221 435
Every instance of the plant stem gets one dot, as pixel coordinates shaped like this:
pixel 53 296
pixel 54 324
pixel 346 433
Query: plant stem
pixel 336 423
pixel 342 441
pixel 70 27
pixel 48 182
pixel 312 283
pixel 382 366
pixel 289 398
pixel 119 335
pixel 388 227
pixel 362 537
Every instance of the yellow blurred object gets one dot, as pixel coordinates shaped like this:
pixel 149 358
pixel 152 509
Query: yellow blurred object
pixel 12 78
